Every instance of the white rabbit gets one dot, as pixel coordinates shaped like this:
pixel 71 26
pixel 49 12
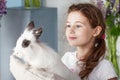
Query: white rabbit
pixel 40 56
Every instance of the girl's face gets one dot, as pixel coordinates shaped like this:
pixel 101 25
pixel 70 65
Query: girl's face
pixel 78 29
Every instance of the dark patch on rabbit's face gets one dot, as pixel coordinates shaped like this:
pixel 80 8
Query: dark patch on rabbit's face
pixel 25 43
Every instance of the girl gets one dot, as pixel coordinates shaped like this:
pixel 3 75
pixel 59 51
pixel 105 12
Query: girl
pixel 85 29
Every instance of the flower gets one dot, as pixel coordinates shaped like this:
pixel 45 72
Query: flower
pixel 3 7
pixel 111 12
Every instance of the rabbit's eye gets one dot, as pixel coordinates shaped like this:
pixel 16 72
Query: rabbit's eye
pixel 25 43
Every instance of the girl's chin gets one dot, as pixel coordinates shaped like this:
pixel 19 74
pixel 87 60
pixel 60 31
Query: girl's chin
pixel 73 45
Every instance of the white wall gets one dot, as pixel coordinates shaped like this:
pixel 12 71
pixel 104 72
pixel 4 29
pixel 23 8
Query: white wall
pixel 14 3
pixel 62 6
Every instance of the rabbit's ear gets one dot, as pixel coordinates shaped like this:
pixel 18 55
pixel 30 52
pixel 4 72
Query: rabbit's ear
pixel 30 26
pixel 37 32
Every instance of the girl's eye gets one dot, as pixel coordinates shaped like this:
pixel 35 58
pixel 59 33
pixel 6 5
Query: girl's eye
pixel 68 26
pixel 78 26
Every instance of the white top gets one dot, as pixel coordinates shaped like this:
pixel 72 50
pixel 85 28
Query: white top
pixel 103 71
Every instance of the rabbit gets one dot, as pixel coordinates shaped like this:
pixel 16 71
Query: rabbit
pixel 38 55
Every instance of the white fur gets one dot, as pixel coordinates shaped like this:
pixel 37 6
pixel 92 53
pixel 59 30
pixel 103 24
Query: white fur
pixel 40 56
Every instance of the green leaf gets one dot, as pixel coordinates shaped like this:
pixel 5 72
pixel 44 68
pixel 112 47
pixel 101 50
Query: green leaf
pixel 110 20
pixel 115 31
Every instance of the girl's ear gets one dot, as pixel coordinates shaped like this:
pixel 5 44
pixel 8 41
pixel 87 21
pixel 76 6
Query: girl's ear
pixel 97 31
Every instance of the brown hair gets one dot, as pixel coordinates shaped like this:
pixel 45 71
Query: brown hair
pixel 95 17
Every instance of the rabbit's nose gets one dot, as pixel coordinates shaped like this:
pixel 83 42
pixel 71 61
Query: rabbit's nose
pixel 25 43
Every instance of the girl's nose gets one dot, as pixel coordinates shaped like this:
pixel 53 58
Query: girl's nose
pixel 72 30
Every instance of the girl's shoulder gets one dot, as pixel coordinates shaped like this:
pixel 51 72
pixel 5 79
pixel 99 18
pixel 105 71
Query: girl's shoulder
pixel 104 70
pixel 69 58
pixel 105 64
pixel 69 54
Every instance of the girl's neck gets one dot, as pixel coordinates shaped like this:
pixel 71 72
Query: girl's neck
pixel 82 53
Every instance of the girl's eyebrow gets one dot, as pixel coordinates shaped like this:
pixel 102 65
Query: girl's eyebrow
pixel 80 22
pixel 67 22
pixel 76 22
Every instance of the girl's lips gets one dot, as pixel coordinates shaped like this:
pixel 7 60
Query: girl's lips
pixel 72 38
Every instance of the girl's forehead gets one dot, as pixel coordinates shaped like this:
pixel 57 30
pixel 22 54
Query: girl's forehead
pixel 76 16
